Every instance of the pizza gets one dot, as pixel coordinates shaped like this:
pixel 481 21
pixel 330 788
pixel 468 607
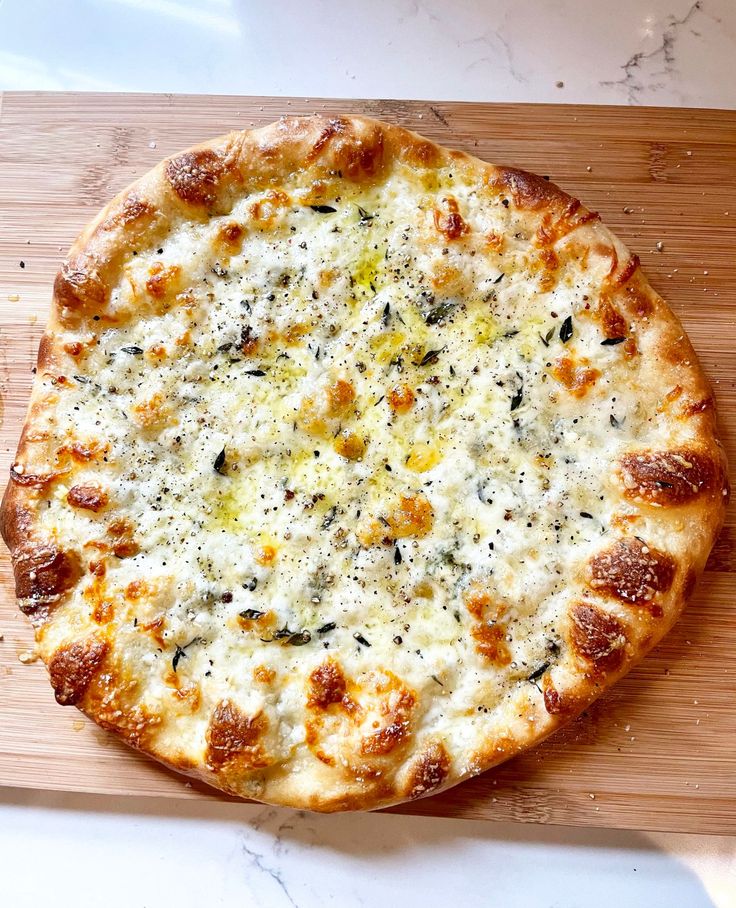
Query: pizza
pixel 354 465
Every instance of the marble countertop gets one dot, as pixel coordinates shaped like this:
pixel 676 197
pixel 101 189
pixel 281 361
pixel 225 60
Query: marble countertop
pixel 148 852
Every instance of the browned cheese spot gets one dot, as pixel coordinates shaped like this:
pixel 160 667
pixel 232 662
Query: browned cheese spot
pixel 231 236
pixel 576 377
pixel 339 395
pixel 72 668
pixel 349 445
pixel 89 498
pixel 633 572
pixel 122 542
pixel 412 516
pixel 401 398
pixel 490 642
pixel 231 735
pixel 266 210
pixel 693 407
pixel 397 711
pixel 429 771
pixel 448 221
pixel 195 175
pixel 162 279
pixel 263 674
pixel 610 319
pixel 597 637
pixel 669 478
pixel 327 685
pixel 556 702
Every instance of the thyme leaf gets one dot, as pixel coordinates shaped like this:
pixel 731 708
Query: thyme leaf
pixel 430 357
pixel 538 672
pixel 439 312
pixel 220 462
pixel 566 330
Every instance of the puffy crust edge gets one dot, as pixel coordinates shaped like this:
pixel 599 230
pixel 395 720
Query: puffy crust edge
pixel 205 180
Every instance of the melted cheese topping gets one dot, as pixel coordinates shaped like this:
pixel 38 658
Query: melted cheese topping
pixel 365 433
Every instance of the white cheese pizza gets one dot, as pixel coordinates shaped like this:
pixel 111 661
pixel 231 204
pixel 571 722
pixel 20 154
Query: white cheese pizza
pixel 354 465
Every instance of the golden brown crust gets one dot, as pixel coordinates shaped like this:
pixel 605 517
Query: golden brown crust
pixel 629 575
pixel 72 668
pixel 671 478
pixel 632 571
pixel 428 771
pixel 597 637
pixel 43 574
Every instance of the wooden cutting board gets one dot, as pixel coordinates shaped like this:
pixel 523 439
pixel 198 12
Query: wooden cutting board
pixel 659 752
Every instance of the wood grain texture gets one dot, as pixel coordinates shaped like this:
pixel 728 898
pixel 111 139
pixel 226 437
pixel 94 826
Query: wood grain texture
pixel 658 751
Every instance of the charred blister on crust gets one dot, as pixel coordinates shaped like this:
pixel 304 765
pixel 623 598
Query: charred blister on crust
pixel 621 276
pixel 79 286
pixel 689 584
pixel 639 300
pixel 46 359
pixel 31 480
pixel 597 637
pixel 418 152
pixel 359 154
pixel 132 210
pixel 554 228
pixel 332 128
pixel 233 736
pixel 111 700
pixel 72 668
pixel 632 571
pixel 43 574
pixel 530 191
pixel 669 478
pixel 16 519
pixel 428 771
pixel 195 176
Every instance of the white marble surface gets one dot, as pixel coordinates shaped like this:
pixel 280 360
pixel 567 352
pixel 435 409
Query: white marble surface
pixel 669 52
pixel 146 852
pixel 84 851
